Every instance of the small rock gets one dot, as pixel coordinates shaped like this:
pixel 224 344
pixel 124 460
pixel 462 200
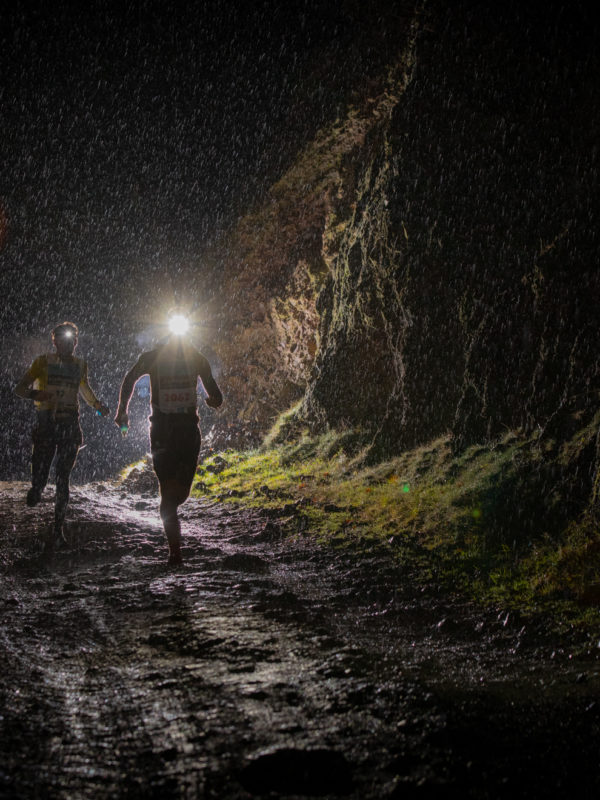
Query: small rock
pixel 302 523
pixel 270 533
pixel 218 465
pixel 258 694
pixel 245 563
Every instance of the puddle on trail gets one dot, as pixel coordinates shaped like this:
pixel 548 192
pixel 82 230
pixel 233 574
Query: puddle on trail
pixel 261 668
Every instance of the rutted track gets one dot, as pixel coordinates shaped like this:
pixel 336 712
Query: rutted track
pixel 262 666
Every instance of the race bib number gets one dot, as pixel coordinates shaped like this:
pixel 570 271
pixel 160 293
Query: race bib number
pixel 176 396
pixel 176 401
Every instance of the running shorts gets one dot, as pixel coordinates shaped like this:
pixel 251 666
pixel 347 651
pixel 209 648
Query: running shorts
pixel 175 445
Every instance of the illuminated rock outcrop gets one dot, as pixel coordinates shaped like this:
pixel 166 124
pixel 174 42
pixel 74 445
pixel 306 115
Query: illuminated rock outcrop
pixel 429 264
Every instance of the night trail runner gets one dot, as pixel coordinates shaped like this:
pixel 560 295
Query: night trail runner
pixel 174 368
pixel 54 382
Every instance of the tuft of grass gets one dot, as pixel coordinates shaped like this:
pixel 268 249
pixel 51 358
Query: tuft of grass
pixel 137 466
pixel 285 427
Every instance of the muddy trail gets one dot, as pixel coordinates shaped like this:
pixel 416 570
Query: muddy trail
pixel 266 667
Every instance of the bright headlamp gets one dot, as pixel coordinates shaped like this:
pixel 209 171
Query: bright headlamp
pixel 179 324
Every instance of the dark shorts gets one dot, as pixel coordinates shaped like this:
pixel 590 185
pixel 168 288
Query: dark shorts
pixel 175 445
pixel 52 431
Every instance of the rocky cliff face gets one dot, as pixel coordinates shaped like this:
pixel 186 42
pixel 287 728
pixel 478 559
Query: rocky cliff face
pixel 430 262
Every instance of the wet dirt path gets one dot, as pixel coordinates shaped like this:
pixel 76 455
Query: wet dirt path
pixel 265 668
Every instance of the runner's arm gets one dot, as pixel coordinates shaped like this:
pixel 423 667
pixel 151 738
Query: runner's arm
pixel 215 398
pixel 85 390
pixel 129 381
pixel 24 386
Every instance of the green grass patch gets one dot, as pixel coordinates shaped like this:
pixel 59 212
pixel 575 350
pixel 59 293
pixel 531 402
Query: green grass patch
pixel 493 522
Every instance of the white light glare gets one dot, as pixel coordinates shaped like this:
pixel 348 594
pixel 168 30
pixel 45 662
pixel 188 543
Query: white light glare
pixel 178 324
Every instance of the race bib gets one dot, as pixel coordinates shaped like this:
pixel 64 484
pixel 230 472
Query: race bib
pixel 63 384
pixel 176 396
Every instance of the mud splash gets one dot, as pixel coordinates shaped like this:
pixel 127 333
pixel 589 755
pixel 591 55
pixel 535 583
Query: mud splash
pixel 265 668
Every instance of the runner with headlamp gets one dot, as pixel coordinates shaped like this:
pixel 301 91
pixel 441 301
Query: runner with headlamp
pixel 54 382
pixel 174 368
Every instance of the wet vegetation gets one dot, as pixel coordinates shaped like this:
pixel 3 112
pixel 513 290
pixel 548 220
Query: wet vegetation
pixel 500 523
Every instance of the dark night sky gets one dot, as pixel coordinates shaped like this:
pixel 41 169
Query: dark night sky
pixel 133 134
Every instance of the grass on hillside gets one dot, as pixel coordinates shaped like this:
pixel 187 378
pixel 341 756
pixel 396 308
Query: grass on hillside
pixel 478 521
